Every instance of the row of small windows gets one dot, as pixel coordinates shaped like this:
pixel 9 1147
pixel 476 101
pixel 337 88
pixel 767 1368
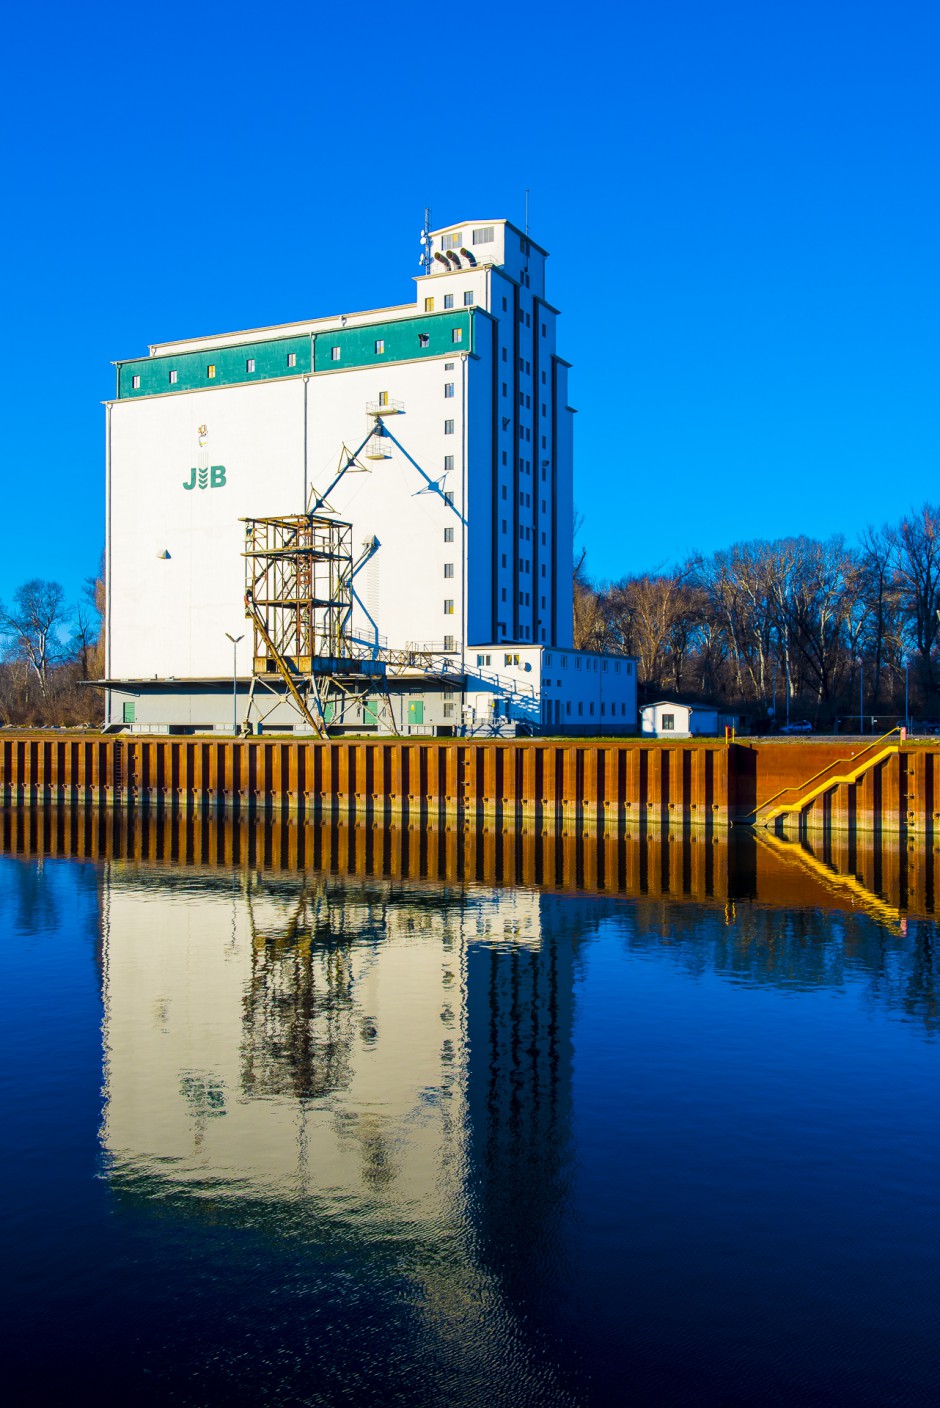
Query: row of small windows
pixel 250 366
pixel 468 301
pixel 424 340
pixel 485 234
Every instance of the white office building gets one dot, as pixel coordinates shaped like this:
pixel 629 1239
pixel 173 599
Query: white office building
pixel 461 511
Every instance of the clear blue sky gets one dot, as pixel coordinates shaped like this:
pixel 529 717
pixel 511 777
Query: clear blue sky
pixel 741 203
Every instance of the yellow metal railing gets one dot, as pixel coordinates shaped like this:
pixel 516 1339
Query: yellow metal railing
pixel 814 786
pixel 840 885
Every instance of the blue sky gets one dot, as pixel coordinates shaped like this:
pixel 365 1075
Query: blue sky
pixel 740 200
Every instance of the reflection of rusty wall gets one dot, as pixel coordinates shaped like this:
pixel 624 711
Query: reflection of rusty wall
pixel 833 870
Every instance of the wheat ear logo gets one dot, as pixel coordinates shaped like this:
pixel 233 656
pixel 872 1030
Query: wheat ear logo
pixel 203 475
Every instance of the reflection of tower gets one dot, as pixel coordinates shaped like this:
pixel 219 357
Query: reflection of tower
pixel 520 998
pixel 299 1011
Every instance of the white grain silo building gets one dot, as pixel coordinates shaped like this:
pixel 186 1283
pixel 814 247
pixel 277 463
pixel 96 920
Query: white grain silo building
pixel 462 536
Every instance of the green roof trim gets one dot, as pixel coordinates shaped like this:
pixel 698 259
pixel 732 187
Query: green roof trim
pixel 405 340
pixel 371 344
pixel 271 359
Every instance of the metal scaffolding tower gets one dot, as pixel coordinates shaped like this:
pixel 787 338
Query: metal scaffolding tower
pixel 298 596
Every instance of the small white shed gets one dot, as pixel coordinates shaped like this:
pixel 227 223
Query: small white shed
pixel 668 719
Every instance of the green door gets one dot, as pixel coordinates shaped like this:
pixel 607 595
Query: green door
pixel 416 711
pixel 370 715
pixel 129 712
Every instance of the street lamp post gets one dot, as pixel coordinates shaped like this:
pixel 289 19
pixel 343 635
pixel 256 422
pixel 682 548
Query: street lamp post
pixel 861 681
pixel 234 640
pixel 907 696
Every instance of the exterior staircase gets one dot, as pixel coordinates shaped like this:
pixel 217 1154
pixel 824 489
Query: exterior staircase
pixel 835 774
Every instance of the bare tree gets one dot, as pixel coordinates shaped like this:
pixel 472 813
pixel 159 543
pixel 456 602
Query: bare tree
pixel 33 625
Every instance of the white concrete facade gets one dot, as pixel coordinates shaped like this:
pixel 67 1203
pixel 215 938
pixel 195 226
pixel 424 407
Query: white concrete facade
pixel 470 514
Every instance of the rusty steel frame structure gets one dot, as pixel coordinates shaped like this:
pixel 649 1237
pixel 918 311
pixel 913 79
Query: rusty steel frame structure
pixel 298 597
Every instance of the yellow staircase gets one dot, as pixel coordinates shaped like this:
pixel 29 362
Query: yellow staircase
pixel 826 779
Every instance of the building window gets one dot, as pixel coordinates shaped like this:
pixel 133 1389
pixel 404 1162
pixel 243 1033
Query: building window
pixel 383 398
pixel 505 352
pixel 580 709
pixel 448 708
pixel 448 569
pixel 380 344
pixel 448 300
pixel 292 359
pixel 484 659
pixel 173 378
pixel 448 463
pixel 335 354
pixel 505 305
pixel 429 305
pixel 449 645
pixel 484 235
pixel 503 594
pixel 448 427
pixel 504 492
pixel 668 724
pixel 510 659
pixel 504 525
pixel 250 364
pixel 449 607
pixel 468 298
pixel 448 389
pixel 456 335
pixel 423 339
pixel 448 366
pixel 448 535
pixel 210 371
pixel 505 389
pixel 591 707
pixel 504 559
pixel 135 382
pixel 449 498
pixel 544 379
pixel 543 329
pixel 453 240
pixel 505 461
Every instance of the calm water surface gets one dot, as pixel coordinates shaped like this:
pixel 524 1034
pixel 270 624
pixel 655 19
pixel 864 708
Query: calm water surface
pixel 277 1134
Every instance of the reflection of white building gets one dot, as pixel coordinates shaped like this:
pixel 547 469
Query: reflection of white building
pixel 299 1038
pixel 300 1052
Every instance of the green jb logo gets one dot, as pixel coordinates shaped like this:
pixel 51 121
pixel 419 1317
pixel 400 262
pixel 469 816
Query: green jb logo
pixel 208 478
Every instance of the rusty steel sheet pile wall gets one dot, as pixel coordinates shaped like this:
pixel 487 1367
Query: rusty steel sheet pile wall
pixel 552 782
pixel 898 793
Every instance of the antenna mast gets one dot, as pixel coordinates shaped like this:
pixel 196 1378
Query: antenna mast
pixel 425 260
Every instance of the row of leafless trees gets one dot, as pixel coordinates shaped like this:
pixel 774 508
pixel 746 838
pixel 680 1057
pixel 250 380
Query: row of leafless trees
pixel 820 620
pixel 48 648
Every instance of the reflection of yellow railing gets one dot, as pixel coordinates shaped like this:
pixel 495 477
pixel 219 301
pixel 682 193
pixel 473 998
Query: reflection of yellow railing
pixel 873 905
pixel 812 788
